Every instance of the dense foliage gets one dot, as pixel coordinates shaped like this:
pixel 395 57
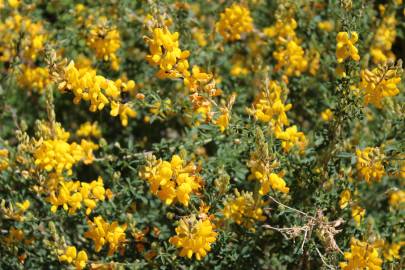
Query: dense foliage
pixel 202 134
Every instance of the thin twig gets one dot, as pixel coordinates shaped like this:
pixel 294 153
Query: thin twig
pixel 286 206
pixel 323 259
pixel 303 241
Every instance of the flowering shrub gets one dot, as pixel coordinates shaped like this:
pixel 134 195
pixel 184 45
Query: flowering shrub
pixel 202 134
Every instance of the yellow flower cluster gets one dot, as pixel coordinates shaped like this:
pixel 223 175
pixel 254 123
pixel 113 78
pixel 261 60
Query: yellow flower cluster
pixel 234 22
pixel 291 58
pixel 194 237
pixel 166 54
pixel 35 78
pixel 89 129
pixel 4 163
pixel 172 181
pixel 383 40
pixel 289 54
pixel 345 46
pixel 244 209
pixel 362 255
pixel 172 62
pixel 70 255
pixel 196 78
pixel 199 36
pixel 238 69
pixel 357 212
pixel 104 40
pixel 379 83
pixel 72 194
pixel 262 171
pixel 12 213
pixel 85 84
pixel 369 164
pixel 31 38
pixel 282 31
pixel 223 120
pixel 291 137
pixel 271 108
pixel 56 154
pixel 31 43
pixel 391 251
pixel 102 232
pixel 397 198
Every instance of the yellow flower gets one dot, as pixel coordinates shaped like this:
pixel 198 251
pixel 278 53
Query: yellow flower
pixel 31 43
pixel 291 59
pixel 104 40
pixel 57 155
pixel 345 198
pixel 23 206
pixel 72 194
pixel 243 209
pixel 379 83
pixel 327 115
pixel 291 137
pixel 102 232
pixel 166 54
pixel 270 107
pixel 89 129
pixel 238 69
pixel 196 78
pixel 71 256
pixel 14 3
pixel 391 251
pixel 340 70
pixel 3 159
pixel 326 26
pixel 234 22
pixel 261 171
pixel 362 255
pixel 383 40
pixel 369 164
pixel 67 195
pixel 171 181
pixel 345 46
pixel 35 78
pixel 85 84
pixel 358 214
pixel 199 36
pixel 283 31
pixel 223 120
pixel 88 147
pixel 397 198
pixel 194 237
